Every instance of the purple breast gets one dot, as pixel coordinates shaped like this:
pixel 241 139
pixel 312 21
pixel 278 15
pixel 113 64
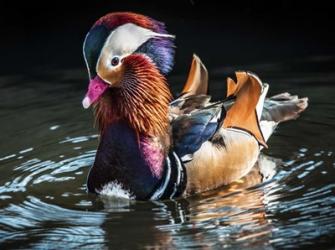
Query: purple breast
pixel 153 155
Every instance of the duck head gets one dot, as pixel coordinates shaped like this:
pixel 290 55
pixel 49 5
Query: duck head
pixel 127 56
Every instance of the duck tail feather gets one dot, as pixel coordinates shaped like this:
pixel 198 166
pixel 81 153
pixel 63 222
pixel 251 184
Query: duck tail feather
pixel 283 107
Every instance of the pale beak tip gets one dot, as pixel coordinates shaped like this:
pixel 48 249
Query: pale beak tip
pixel 86 102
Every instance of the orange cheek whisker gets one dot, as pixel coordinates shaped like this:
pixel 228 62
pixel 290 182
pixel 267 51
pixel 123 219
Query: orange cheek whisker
pixel 142 99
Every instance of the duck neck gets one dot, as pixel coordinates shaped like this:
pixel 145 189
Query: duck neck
pixel 142 100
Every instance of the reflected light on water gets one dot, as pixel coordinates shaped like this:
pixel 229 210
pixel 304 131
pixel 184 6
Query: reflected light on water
pixel 287 201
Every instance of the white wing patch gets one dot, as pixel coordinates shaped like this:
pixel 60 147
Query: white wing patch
pixel 267 128
pixel 265 88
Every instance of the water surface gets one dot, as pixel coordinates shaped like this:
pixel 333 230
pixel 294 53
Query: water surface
pixel 48 145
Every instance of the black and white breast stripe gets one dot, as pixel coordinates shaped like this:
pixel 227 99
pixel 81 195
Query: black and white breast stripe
pixel 174 179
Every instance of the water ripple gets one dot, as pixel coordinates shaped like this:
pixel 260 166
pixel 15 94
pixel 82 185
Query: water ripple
pixel 29 218
pixel 44 165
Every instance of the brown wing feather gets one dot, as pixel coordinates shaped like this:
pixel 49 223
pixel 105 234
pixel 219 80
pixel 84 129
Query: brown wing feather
pixel 197 81
pixel 194 93
pixel 243 114
pixel 231 86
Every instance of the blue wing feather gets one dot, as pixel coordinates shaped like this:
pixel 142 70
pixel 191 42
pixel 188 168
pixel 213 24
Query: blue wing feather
pixel 191 130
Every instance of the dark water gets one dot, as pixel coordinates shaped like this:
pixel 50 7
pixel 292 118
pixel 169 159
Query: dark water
pixel 48 144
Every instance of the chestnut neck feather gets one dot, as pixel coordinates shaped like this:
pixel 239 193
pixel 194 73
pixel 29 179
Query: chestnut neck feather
pixel 142 100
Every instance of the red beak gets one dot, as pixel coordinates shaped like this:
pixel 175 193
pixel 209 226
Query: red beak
pixel 96 88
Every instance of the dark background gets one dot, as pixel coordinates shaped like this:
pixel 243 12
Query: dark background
pixel 49 34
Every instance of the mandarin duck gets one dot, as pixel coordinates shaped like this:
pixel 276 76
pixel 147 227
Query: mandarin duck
pixel 154 147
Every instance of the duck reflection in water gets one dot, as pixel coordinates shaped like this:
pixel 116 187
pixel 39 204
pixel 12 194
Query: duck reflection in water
pixel 234 212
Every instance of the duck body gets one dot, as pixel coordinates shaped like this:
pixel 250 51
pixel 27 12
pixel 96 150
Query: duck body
pixel 121 159
pixel 227 163
pixel 158 148
pixel 136 164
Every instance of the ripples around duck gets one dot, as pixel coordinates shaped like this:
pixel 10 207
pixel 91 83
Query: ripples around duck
pixel 48 145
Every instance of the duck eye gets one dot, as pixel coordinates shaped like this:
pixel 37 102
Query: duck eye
pixel 115 61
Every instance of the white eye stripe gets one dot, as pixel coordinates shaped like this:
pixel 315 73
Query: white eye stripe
pixel 125 40
pixel 128 37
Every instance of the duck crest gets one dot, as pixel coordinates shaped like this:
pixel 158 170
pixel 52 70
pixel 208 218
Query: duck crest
pixel 142 100
pixel 115 19
pixel 160 50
